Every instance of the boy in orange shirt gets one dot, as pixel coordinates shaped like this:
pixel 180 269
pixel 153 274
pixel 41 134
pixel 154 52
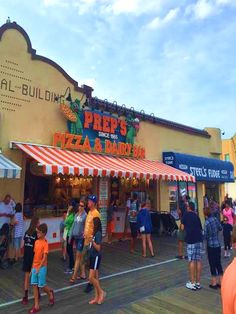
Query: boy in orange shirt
pixel 89 228
pixel 39 268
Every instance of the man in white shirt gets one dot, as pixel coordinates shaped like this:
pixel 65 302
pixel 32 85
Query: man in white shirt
pixel 6 210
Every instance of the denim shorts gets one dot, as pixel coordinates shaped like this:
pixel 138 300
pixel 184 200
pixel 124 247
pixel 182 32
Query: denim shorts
pixel 17 242
pixel 39 279
pixel 79 244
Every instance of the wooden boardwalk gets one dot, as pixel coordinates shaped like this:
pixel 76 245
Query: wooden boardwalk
pixel 155 289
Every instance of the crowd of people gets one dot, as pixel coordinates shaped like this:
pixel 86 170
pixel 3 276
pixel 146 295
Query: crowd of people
pixel 193 234
pixel 81 239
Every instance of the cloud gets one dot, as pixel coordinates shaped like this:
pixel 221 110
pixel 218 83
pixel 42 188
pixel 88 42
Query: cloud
pixel 57 3
pixel 136 7
pixel 201 10
pixel 226 2
pixel 158 22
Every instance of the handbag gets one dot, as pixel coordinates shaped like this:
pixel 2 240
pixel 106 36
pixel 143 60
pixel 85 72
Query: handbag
pixel 142 229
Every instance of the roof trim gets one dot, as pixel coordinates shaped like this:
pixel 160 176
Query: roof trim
pixel 84 89
pixel 148 117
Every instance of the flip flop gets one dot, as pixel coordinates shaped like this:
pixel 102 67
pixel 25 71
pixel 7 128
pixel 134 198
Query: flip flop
pixel 52 300
pixel 93 301
pixel 81 278
pixel 103 299
pixel 72 280
pixel 34 310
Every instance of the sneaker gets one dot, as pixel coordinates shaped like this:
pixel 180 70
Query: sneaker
pixel 179 257
pixel 88 288
pixel 215 287
pixel 191 286
pixel 68 271
pixel 198 285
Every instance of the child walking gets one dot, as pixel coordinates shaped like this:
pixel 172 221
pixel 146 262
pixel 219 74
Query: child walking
pixel 29 240
pixel 227 230
pixel 39 269
pixel 94 262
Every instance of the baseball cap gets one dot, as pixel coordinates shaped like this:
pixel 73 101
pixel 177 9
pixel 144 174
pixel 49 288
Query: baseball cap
pixel 92 198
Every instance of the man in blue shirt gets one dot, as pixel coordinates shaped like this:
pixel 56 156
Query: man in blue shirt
pixel 191 223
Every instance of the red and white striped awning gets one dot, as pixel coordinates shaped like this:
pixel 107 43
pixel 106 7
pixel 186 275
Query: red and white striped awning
pixel 55 160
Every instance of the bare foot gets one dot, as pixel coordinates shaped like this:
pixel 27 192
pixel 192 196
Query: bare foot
pixel 93 301
pixel 102 299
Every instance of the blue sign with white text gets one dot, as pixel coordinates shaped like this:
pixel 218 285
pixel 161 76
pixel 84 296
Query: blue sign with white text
pixel 202 168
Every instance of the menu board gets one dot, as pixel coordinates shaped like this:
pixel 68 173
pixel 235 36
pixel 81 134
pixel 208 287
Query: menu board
pixel 103 202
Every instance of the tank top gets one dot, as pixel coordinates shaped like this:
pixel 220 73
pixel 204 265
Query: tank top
pixel 229 214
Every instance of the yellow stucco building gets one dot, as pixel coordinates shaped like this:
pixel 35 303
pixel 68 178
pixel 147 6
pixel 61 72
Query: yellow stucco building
pixel 32 90
pixel 229 154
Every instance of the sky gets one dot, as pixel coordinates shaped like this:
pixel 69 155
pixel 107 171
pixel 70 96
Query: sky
pixel 173 58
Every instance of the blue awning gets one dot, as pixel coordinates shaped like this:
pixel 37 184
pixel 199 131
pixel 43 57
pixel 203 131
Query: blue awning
pixel 203 168
pixel 8 169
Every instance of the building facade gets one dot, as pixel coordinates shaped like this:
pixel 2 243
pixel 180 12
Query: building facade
pixel 42 109
pixel 229 154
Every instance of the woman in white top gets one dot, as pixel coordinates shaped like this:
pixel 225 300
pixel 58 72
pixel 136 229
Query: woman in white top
pixel 18 230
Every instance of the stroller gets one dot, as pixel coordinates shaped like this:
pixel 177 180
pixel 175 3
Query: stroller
pixel 4 240
pixel 169 224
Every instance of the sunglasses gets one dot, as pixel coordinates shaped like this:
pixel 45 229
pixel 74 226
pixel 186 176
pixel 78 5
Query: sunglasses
pixel 81 205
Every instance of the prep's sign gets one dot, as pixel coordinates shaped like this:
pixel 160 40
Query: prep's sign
pixel 97 125
pixel 95 131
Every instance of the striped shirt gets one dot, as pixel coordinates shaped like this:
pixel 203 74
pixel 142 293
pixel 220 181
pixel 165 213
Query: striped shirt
pixel 19 227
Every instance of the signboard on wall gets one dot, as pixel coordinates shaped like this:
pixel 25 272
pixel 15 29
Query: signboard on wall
pixel 103 202
pixel 93 130
pixel 202 168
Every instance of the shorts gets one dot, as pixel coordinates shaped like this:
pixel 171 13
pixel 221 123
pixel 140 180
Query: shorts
pixel 94 262
pixel 110 226
pixel 39 279
pixel 181 235
pixel 28 261
pixel 145 232
pixel 17 243
pixel 133 229
pixel 79 245
pixel 195 251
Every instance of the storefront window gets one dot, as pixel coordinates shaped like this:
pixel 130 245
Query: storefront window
pixel 192 193
pixel 49 195
pixel 227 157
pixel 181 189
pixel 173 196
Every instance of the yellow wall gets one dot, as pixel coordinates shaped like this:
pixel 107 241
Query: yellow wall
pixel 229 147
pixel 30 119
pixel 22 117
pixel 157 139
